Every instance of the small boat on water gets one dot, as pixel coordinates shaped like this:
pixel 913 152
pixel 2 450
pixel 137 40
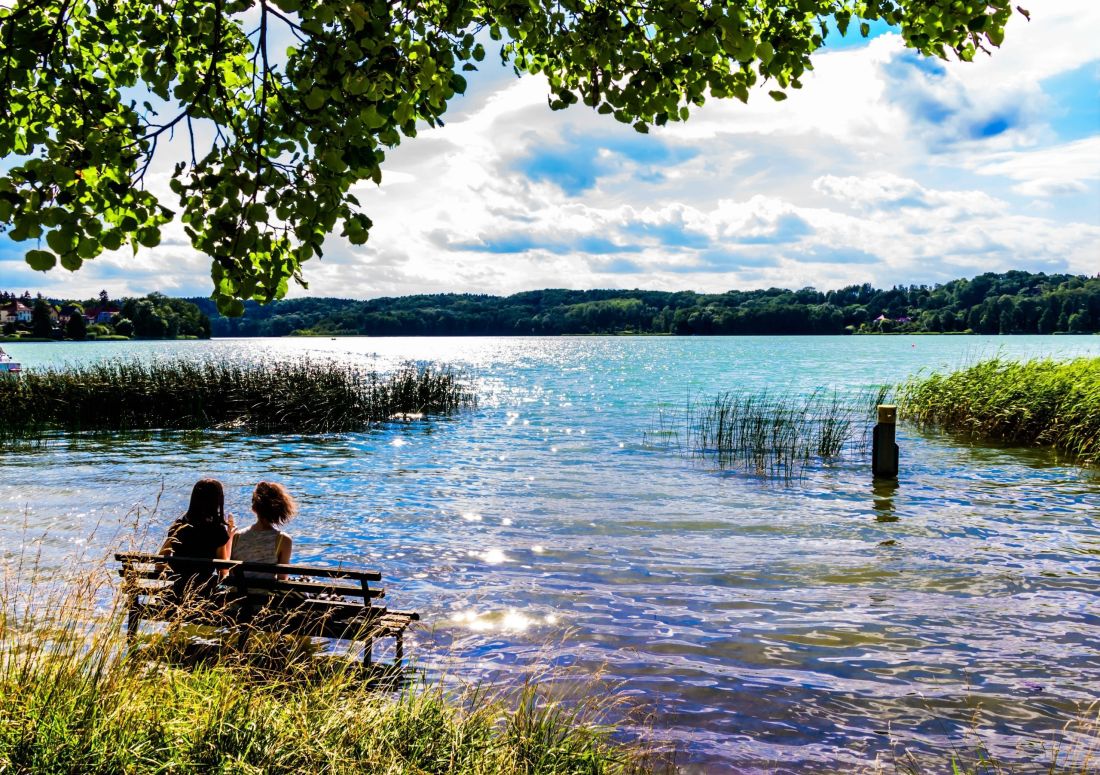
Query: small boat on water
pixel 8 365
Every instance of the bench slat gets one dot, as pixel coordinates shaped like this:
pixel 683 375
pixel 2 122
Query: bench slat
pixel 154 596
pixel 367 623
pixel 299 570
pixel 276 585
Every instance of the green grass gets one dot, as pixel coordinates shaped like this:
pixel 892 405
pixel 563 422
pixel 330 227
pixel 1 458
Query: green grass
pixel 1034 403
pixel 770 434
pixel 73 701
pixel 298 397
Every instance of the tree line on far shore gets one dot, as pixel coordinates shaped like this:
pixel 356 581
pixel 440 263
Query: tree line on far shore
pixel 1014 302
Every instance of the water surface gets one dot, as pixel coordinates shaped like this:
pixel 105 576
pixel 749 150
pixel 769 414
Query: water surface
pixel 766 627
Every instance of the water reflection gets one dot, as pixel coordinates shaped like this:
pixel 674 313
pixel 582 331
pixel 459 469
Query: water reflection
pixel 768 627
pixel 884 491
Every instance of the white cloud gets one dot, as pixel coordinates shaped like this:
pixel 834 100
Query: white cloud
pixel 1060 169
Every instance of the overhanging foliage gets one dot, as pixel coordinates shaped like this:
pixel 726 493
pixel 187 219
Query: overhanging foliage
pixel 278 134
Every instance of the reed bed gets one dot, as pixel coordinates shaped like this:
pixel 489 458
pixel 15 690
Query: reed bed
pixel 771 434
pixel 1034 403
pixel 73 699
pixel 299 397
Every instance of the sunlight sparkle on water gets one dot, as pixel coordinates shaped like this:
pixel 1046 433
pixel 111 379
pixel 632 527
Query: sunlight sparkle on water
pixel 490 556
pixel 502 621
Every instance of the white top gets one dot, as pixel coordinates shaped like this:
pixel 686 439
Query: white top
pixel 254 545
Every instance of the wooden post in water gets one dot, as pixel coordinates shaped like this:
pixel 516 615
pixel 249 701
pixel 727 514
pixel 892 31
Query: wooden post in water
pixel 884 450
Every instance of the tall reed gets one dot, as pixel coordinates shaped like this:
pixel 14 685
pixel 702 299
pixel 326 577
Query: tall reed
pixel 295 397
pixel 1034 403
pixel 772 434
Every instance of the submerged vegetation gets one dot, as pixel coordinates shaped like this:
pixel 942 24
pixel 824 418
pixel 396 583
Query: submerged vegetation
pixel 770 434
pixel 298 397
pixel 1035 403
pixel 73 700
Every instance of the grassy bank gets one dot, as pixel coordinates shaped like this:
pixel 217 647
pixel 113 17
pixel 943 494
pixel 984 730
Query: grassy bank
pixel 71 701
pixel 298 397
pixel 769 434
pixel 1035 403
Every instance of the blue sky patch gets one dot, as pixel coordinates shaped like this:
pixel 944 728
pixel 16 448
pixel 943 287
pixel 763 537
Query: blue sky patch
pixel 673 234
pixel 619 266
pixel 1074 98
pixel 834 41
pixel 573 170
pixel 509 244
pixel 992 127
pixel 788 227
pixel 575 165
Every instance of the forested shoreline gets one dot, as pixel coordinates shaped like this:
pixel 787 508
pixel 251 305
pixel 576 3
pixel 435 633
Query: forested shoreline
pixel 1014 302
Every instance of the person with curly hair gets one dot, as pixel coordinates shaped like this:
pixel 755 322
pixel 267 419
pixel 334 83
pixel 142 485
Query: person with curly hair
pixel 265 541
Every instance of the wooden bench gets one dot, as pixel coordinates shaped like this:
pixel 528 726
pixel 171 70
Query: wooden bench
pixel 333 603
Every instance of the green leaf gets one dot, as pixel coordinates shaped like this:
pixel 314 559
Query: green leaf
pixel 778 96
pixel 87 248
pixel 58 241
pixel 230 307
pixel 41 260
pixel 149 237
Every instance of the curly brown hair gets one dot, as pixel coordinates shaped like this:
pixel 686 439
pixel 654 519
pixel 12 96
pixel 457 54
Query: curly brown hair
pixel 272 503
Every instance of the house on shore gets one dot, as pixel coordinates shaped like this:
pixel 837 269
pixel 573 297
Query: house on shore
pixel 94 315
pixel 15 312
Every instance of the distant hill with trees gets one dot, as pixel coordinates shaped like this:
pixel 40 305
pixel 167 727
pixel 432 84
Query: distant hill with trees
pixel 1015 302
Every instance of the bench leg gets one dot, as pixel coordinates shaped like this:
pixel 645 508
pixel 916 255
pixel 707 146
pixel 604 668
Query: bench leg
pixel 132 621
pixel 399 648
pixel 368 652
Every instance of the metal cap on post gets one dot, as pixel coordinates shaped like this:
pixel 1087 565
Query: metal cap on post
pixel 884 450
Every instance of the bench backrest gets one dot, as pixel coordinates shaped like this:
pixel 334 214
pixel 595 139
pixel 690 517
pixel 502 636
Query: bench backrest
pixel 327 602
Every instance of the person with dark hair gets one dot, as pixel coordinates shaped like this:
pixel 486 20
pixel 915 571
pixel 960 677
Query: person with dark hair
pixel 203 532
pixel 264 541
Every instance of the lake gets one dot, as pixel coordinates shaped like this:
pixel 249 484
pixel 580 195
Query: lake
pixel 762 626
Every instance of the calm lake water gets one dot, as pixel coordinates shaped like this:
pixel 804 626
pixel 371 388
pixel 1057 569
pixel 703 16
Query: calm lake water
pixel 763 627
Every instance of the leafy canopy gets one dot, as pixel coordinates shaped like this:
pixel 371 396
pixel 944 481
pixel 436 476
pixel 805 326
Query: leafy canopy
pixel 284 105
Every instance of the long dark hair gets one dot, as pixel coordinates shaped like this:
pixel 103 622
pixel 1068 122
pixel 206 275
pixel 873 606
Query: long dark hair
pixel 207 506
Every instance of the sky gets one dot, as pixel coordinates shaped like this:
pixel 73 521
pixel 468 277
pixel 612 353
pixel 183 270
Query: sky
pixel 885 168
